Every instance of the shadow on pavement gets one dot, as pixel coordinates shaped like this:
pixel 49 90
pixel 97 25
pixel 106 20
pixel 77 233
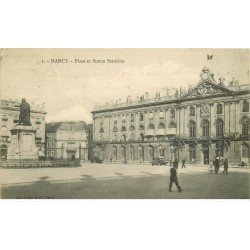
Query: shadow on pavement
pixel 152 186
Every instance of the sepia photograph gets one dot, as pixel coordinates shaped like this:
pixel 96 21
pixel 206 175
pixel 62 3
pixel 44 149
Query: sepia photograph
pixel 124 124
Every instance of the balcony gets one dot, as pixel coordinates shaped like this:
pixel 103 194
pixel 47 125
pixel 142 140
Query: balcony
pixel 149 132
pixel 160 131
pixel 171 131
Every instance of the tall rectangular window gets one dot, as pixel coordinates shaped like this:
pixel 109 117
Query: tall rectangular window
pixel 132 118
pixel 141 117
pixel 192 153
pixel 219 109
pixel 192 111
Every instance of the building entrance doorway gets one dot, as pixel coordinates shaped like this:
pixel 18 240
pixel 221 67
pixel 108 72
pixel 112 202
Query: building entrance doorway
pixel 71 155
pixel 150 153
pixel 205 156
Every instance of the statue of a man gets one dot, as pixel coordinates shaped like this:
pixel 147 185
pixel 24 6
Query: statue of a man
pixel 24 116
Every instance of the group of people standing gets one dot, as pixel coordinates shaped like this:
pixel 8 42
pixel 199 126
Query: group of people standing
pixel 174 168
pixel 216 165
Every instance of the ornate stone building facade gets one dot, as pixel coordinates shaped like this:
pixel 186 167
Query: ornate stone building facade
pixel 9 118
pixel 208 120
pixel 68 140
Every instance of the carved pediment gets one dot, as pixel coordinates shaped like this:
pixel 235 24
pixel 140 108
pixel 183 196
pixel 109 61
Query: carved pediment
pixel 205 88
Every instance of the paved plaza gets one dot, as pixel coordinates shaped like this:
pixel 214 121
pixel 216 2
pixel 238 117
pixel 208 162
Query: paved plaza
pixel 120 181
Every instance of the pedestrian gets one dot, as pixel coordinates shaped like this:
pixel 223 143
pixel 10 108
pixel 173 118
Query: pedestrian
pixel 217 165
pixel 173 177
pixel 171 162
pixel 225 171
pixel 183 164
pixel 193 161
pixel 242 164
pixel 176 164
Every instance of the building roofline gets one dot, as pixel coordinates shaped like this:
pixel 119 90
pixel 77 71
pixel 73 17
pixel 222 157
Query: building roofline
pixel 176 101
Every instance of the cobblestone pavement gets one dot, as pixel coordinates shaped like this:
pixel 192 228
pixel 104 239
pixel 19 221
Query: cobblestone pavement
pixel 122 181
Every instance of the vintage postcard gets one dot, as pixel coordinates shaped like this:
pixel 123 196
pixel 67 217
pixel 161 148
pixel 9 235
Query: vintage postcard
pixel 124 124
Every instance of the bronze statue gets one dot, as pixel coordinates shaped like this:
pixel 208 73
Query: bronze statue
pixel 24 116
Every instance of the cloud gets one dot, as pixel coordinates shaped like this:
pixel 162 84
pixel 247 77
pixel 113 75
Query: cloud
pixel 77 113
pixel 135 81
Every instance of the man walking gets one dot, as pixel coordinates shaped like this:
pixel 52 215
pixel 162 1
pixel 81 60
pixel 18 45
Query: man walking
pixel 173 177
pixel 176 164
pixel 183 164
pixel 225 167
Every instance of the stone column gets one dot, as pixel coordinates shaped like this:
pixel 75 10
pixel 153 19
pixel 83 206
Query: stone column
pixel 198 121
pixel 181 120
pixel 185 121
pixel 177 117
pixel 231 119
pixel 226 118
pixel 237 116
pixel 212 119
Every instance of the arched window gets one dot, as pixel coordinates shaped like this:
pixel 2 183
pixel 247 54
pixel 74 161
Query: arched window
pixel 192 111
pixel 219 128
pixel 132 137
pixel 123 152
pixel 219 109
pixel 141 153
pixel 101 130
pixel 141 136
pixel 114 153
pixel 161 125
pixel 245 152
pixel 132 128
pixel 161 151
pixel 192 129
pixel 245 125
pixel 141 127
pixel 151 126
pixel 123 137
pixel 151 153
pixel 172 124
pixel 123 128
pixel 205 128
pixel 115 129
pixel 245 107
pixel 115 137
pixel 132 153
pixel 192 153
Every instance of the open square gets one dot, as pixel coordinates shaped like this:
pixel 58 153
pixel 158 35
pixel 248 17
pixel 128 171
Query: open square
pixel 122 181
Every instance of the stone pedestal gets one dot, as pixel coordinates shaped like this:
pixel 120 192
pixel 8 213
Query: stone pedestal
pixel 23 143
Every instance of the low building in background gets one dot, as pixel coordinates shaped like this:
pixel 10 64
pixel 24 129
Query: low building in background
pixel 208 120
pixel 9 118
pixel 68 140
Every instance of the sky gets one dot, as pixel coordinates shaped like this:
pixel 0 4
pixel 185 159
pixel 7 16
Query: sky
pixel 70 90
